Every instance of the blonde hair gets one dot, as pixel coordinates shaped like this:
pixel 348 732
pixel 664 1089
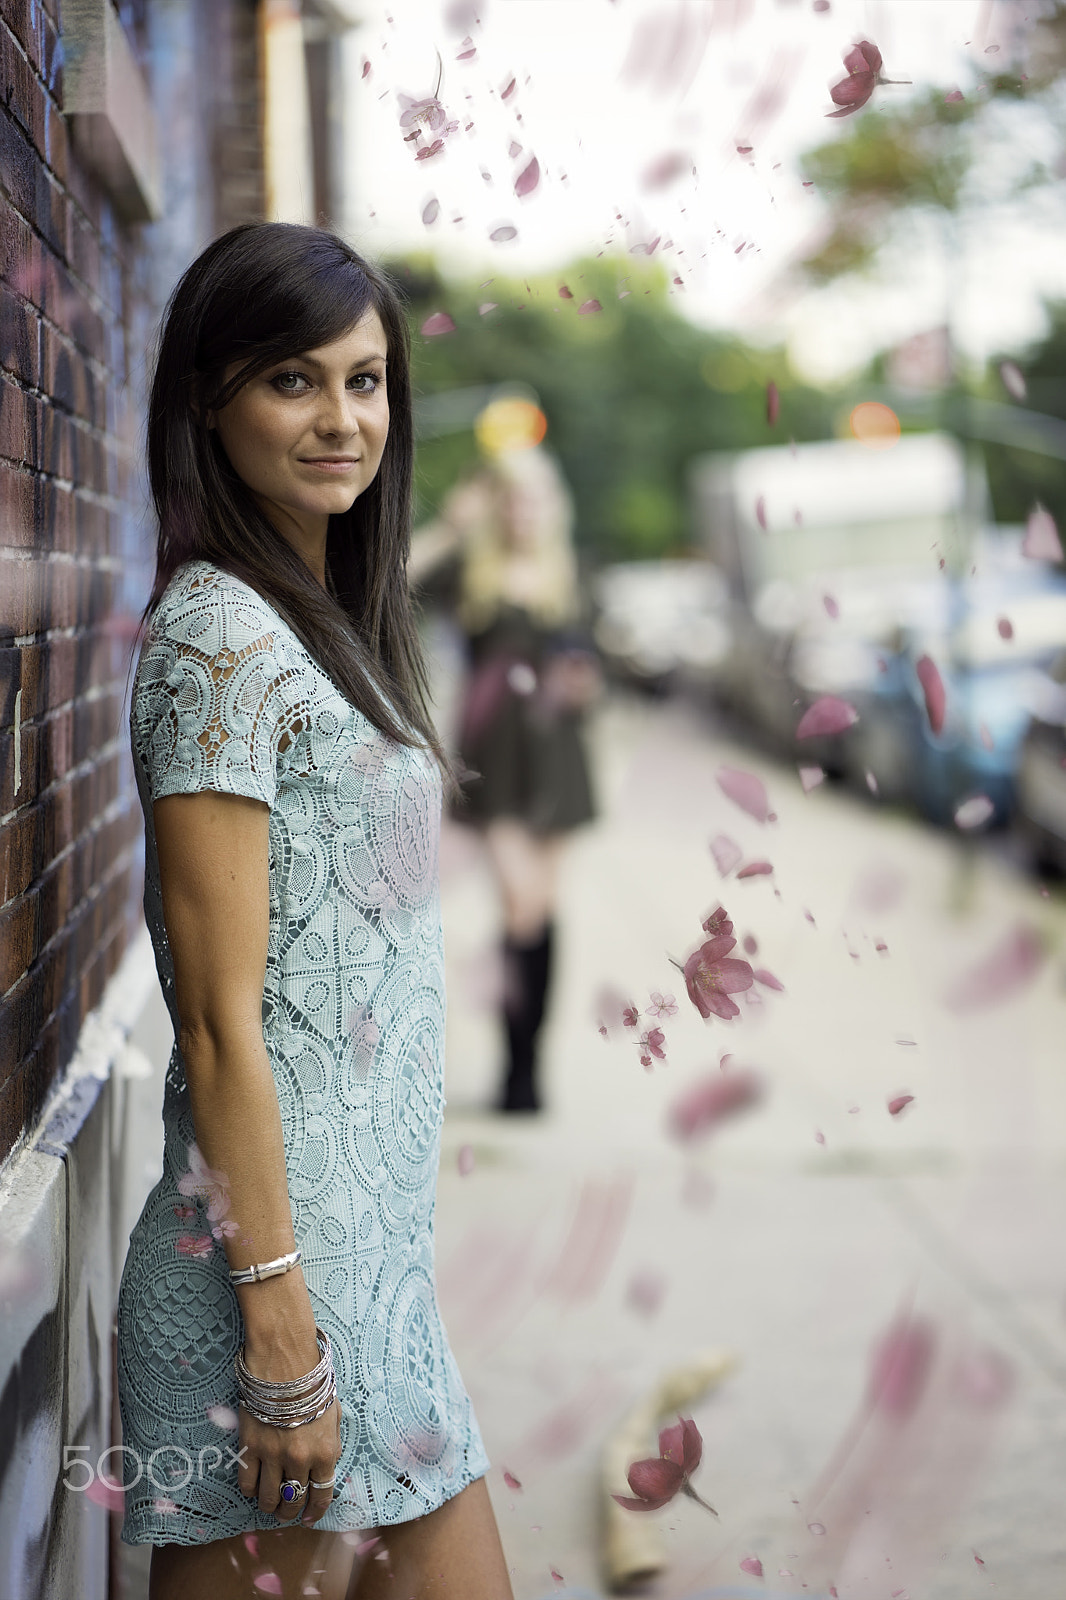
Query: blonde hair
pixel 549 587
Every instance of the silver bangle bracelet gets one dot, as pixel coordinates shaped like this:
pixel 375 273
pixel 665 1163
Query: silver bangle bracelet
pixel 265 1269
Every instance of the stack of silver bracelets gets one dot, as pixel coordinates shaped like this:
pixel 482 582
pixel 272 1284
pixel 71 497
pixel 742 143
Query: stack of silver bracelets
pixel 300 1400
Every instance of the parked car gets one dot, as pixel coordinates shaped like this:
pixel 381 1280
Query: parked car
pixel 1039 816
pixel 994 641
pixel 659 623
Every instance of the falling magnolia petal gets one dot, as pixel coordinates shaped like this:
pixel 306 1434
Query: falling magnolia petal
pixel 974 812
pixel 828 714
pixel 811 777
pixel 726 852
pixel 587 307
pixel 954 97
pixel 1041 541
pixel 527 179
pixel 933 690
pixel 565 293
pixel 900 1366
pixel 896 1105
pixel 753 1565
pixel 764 976
pixel 512 1482
pixel 699 1109
pixel 760 511
pixel 1012 965
pixel 1012 376
pixel 745 790
pixel 831 605
pixel 439 322
pixel 664 169
pixel 430 212
pixel 502 234
pixel 106 1492
pixel 465 1160
pixel 755 869
pixel 267 1582
pixel 773 403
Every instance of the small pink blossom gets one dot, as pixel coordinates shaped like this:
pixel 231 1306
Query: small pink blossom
pixel 199 1245
pixel 630 1016
pixel 182 1212
pixel 427 113
pixel 654 1043
pixel 428 150
pixel 662 1005
pixel 711 976
pixel 656 1481
pixel 227 1229
pixel 864 63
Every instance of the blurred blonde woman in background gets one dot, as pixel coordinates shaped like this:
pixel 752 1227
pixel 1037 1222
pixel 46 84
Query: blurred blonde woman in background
pixel 531 675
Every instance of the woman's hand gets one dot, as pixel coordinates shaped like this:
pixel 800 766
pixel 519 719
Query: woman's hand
pixel 269 1455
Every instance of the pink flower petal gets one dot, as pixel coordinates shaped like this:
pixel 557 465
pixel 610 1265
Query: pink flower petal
pixel 646 1290
pixel 760 511
pixel 106 1492
pixel 501 234
pixel 1005 627
pixel 896 1105
pixel 430 212
pixel 954 97
pixel 811 777
pixel 506 93
pixel 527 179
pixel 755 869
pixel 726 852
pixel 267 1582
pixel 1012 965
pixel 565 293
pixel 699 1109
pixel 587 307
pixel 439 322
pixel 745 790
pixel 933 689
pixel 900 1366
pixel 974 812
pixel 773 402
pixel 487 306
pixel 465 1160
pixel 764 976
pixel 512 1482
pixel 828 714
pixel 831 605
pixel 655 1481
pixel 1010 372
pixel 753 1565
pixel 1041 541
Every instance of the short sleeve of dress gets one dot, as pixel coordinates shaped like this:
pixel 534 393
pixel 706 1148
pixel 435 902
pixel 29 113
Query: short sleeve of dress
pixel 211 696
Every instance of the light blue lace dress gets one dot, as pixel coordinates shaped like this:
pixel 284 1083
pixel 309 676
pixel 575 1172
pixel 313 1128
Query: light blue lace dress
pixel 226 697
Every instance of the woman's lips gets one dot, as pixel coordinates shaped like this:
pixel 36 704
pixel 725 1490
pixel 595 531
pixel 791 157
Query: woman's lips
pixel 330 466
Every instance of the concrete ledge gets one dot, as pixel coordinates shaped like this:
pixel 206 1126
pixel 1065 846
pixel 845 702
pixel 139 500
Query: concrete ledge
pixel 107 99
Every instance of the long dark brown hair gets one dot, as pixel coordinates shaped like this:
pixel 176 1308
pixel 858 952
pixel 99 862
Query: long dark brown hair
pixel 260 293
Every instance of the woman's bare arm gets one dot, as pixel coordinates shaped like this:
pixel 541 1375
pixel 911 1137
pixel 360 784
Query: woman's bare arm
pixel 214 875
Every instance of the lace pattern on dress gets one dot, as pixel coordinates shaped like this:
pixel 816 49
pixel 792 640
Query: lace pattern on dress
pixel 227 698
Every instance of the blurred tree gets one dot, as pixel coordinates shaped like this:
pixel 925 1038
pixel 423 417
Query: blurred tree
pixel 1018 477
pixel 631 391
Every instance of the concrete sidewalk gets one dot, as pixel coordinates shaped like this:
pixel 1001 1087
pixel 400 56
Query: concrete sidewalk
pixel 793 1237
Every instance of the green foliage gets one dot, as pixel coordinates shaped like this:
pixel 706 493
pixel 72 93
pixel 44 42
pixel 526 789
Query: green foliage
pixel 1018 478
pixel 632 392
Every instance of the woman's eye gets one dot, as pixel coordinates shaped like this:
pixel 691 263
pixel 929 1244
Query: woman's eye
pixel 371 380
pixel 282 382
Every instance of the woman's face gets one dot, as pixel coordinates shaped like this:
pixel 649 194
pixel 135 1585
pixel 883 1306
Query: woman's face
pixel 307 434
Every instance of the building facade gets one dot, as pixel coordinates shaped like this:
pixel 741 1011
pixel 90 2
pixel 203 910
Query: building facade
pixel 130 135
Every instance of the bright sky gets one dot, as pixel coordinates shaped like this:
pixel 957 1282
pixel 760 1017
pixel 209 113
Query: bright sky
pixel 605 89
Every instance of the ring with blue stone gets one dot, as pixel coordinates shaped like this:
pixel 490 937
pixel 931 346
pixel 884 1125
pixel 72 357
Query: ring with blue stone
pixel 292 1489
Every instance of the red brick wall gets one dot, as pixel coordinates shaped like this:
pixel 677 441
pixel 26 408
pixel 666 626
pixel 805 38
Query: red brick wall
pixel 74 324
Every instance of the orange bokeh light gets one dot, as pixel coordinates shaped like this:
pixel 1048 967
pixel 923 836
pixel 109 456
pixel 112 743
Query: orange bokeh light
pixel 874 425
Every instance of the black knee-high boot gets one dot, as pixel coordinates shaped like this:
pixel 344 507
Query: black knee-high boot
pixel 526 974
